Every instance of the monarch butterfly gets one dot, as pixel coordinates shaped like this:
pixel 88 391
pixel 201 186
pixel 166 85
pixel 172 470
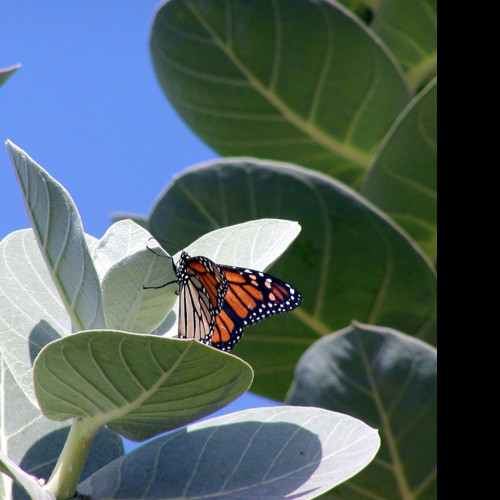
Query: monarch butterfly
pixel 218 302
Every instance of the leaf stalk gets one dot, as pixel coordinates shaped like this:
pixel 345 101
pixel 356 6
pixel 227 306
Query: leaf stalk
pixel 64 478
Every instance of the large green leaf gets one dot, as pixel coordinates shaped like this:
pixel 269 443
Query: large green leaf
pixel 279 452
pixel 59 232
pixel 297 81
pixel 349 261
pixel 388 380
pixel 409 28
pixel 137 385
pixel 403 179
pixel 34 443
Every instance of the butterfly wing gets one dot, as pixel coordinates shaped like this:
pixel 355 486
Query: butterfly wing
pixel 202 286
pixel 251 296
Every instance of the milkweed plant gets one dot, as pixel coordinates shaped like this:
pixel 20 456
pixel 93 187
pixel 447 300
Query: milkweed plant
pixel 111 366
pixel 327 111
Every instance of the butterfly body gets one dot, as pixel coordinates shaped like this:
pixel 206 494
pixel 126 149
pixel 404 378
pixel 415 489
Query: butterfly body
pixel 202 287
pixel 218 302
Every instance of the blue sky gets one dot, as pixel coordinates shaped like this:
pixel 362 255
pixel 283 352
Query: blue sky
pixel 86 106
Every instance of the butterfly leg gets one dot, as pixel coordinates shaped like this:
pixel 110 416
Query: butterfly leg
pixel 164 284
pixel 160 286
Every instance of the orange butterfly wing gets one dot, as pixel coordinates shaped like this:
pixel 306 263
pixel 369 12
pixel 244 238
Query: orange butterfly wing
pixel 251 296
pixel 218 302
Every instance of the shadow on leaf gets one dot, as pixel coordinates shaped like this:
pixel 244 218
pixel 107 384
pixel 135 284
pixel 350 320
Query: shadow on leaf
pixel 41 335
pixel 42 456
pixel 256 459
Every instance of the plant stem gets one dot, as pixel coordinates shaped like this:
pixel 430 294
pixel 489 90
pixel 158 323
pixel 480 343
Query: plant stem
pixel 62 483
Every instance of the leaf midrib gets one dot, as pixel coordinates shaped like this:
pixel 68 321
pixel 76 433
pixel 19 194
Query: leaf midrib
pixel 104 418
pixel 391 441
pixel 308 127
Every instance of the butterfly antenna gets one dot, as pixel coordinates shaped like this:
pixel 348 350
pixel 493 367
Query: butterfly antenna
pixel 159 254
pixel 168 245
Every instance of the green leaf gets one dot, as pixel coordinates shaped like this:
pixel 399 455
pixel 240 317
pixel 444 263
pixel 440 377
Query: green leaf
pixel 34 442
pixel 255 244
pixel 279 452
pixel 126 260
pixel 138 219
pixel 29 483
pixel 403 179
pixel 297 81
pixel 388 380
pixel 137 385
pixel 349 261
pixel 362 8
pixel 409 28
pixel 59 232
pixel 32 311
pixel 6 73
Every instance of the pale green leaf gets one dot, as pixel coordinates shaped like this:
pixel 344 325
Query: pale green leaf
pixel 28 482
pixel 60 235
pixel 137 385
pixel 32 311
pixel 279 452
pixel 34 443
pixel 127 260
pixel 254 244
pixel 122 239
